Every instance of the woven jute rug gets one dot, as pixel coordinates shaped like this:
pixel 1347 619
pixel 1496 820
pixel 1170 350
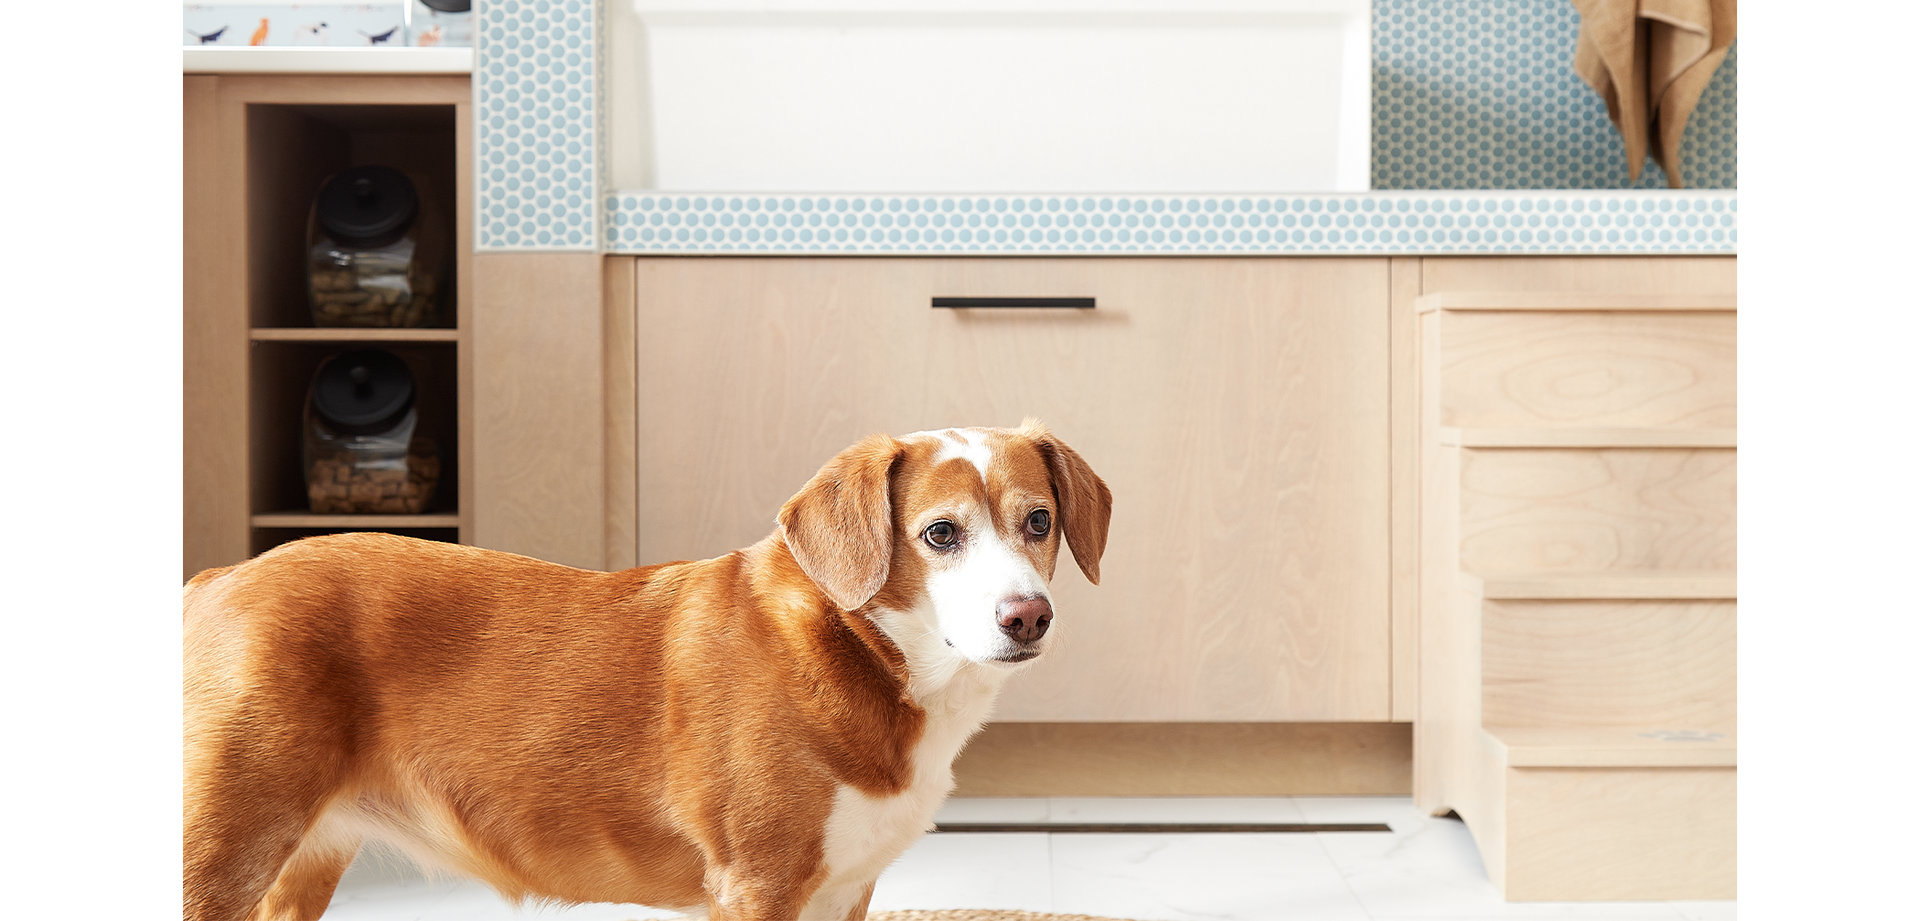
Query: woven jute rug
pixel 977 914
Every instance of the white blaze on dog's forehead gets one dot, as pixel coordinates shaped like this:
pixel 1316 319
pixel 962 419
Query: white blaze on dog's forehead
pixel 958 443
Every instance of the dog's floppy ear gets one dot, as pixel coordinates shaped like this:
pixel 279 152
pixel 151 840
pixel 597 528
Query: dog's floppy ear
pixel 1086 504
pixel 840 525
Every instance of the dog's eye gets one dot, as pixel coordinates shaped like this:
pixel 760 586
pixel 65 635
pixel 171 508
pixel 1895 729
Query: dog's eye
pixel 941 535
pixel 1039 522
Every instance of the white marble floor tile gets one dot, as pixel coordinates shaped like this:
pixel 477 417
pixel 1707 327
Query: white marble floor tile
pixel 1199 877
pixel 363 900
pixel 969 871
pixel 1706 911
pixel 470 901
pixel 382 890
pixel 1174 809
pixel 1392 810
pixel 993 809
pixel 1429 868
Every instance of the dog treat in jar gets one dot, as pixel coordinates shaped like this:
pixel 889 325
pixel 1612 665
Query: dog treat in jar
pixel 375 253
pixel 362 454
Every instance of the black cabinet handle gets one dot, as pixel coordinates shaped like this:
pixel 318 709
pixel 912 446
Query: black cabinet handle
pixel 1076 303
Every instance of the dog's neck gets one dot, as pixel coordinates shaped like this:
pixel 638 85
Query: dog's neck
pixel 950 687
pixel 939 678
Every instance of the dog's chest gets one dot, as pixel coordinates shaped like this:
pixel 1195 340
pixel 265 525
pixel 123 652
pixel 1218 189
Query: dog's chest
pixel 864 833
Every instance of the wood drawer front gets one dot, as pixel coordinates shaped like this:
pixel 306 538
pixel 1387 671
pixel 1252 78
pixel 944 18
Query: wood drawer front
pixel 1238 409
pixel 1588 369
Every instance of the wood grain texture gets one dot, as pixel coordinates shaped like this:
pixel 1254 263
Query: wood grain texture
pixel 1650 664
pixel 619 357
pixel 1641 584
pixel 751 373
pixel 214 331
pixel 1187 759
pixel 1594 509
pixel 1600 464
pixel 1611 275
pixel 1403 374
pixel 1237 408
pixel 1448 710
pixel 1593 369
pixel 1625 834
pixel 463 311
pixel 350 89
pixel 1534 301
pixel 1588 438
pixel 539 422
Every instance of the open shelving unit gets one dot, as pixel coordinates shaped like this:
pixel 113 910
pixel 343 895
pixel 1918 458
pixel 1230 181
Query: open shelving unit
pixel 265 143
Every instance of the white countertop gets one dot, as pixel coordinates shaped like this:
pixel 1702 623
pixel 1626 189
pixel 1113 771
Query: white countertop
pixel 327 60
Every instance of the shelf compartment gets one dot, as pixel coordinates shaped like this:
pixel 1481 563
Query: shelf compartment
pixel 282 371
pixel 292 149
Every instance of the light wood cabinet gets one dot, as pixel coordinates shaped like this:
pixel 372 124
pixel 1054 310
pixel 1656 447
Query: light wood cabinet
pixel 1238 408
pixel 1577 524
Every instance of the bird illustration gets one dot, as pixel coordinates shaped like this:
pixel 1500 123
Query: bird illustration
pixel 429 38
pixel 377 39
pixel 210 37
pixel 314 32
pixel 260 34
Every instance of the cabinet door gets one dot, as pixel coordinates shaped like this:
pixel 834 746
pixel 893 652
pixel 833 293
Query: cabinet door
pixel 1237 408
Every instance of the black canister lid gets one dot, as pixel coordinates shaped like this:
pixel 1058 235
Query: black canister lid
pixel 366 206
pixel 363 392
pixel 450 6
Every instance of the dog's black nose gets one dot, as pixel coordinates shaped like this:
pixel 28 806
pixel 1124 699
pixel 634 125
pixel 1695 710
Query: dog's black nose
pixel 1024 620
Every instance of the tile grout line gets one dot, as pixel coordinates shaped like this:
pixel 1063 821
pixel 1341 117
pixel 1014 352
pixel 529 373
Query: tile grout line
pixel 1365 909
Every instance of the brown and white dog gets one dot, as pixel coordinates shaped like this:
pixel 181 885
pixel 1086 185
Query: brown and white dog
pixel 757 735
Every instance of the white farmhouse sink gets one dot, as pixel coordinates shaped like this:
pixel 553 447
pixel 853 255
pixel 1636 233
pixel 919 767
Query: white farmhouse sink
pixel 976 96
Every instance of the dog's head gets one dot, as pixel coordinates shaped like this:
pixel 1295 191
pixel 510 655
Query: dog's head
pixel 960 527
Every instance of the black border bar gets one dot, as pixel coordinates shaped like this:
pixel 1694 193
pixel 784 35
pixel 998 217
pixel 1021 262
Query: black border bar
pixel 1075 303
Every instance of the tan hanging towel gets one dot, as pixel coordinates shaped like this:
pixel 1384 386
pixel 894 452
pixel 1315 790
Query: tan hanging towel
pixel 1650 60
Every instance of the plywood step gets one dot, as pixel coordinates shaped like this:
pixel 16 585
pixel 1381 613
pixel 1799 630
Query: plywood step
pixel 1617 584
pixel 1587 509
pixel 1610 746
pixel 1570 300
pixel 1671 369
pixel 1543 437
pixel 1616 833
pixel 1578 607
pixel 1664 663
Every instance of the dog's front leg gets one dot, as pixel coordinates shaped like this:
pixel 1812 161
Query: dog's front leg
pixel 766 893
pixel 859 912
pixel 756 900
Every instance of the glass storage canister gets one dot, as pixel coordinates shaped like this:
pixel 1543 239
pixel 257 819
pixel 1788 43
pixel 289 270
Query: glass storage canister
pixel 375 252
pixel 440 23
pixel 362 454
